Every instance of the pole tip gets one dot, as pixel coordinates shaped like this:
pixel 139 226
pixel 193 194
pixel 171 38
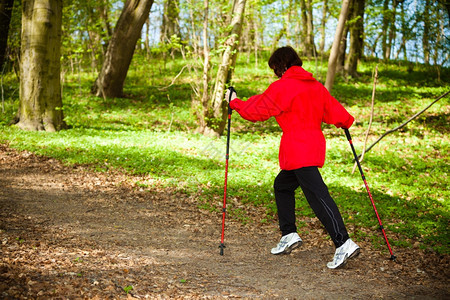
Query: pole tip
pixel 393 257
pixel 221 248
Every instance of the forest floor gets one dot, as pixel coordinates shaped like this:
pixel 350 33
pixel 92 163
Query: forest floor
pixel 70 233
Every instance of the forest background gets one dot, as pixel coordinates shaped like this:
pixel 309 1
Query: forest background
pixel 138 86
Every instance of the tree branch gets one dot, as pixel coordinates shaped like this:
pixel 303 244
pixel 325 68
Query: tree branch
pixel 409 120
pixel 173 81
pixel 371 119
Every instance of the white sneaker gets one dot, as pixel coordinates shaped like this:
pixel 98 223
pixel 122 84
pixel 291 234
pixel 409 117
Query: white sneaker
pixel 287 243
pixel 344 252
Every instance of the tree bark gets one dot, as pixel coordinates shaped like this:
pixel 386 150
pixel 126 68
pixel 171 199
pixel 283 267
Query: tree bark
pixel 342 51
pixel 311 46
pixel 121 47
pixel 103 9
pixel 288 18
pixel 308 28
pixel 40 105
pixel 392 29
pixel 193 36
pixel 356 37
pixel 277 38
pixel 404 29
pixel 147 36
pixel 426 32
pixel 5 19
pixel 256 27
pixel 201 108
pixel 104 30
pixel 323 26
pixel 169 25
pixel 94 42
pixel 331 73
pixel 219 107
pixel 385 27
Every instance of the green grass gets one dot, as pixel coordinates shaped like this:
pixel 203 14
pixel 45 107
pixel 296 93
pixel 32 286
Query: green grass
pixel 151 133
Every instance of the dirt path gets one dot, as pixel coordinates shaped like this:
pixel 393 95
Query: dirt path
pixel 67 232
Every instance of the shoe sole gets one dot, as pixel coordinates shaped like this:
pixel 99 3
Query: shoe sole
pixel 353 255
pixel 289 249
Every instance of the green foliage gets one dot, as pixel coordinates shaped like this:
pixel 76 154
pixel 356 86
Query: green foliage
pixel 128 289
pixel 150 133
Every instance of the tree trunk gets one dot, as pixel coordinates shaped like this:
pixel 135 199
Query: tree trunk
pixel 356 37
pixel 193 36
pixel 40 106
pixel 256 26
pixel 201 108
pixel 373 47
pixel 103 9
pixel 121 47
pixel 307 35
pixel 6 7
pixel 335 48
pixel 288 18
pixel 311 46
pixel 218 119
pixel 323 26
pixel 147 36
pixel 249 37
pixel 94 42
pixel 304 31
pixel 426 32
pixel 169 25
pixel 404 30
pixel 277 38
pixel 106 32
pixel 342 51
pixel 386 18
pixel 392 29
pixel 439 34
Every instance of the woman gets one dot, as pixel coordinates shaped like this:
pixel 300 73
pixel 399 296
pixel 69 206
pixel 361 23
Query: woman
pixel 300 104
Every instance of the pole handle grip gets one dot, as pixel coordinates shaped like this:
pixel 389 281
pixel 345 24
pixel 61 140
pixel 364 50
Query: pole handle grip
pixel 231 89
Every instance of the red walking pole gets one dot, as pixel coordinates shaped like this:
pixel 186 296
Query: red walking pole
pixel 224 208
pixel 349 138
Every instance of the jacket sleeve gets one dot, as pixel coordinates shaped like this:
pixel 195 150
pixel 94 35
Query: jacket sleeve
pixel 259 107
pixel 335 113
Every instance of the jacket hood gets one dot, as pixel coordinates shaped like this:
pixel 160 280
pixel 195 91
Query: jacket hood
pixel 296 72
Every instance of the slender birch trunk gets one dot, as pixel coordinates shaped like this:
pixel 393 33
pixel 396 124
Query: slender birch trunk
pixel 323 26
pixel 206 67
pixel 218 105
pixel 335 48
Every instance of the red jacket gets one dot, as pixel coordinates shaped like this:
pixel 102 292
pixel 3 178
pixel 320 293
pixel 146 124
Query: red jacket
pixel 300 104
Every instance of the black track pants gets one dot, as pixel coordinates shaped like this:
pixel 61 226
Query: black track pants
pixel 316 192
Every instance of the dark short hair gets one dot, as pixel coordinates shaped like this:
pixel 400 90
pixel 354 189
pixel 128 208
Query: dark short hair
pixel 282 59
